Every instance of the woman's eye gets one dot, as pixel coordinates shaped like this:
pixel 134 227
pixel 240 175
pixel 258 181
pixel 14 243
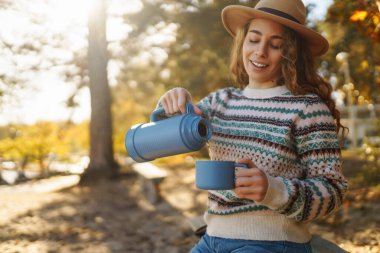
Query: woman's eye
pixel 253 41
pixel 276 46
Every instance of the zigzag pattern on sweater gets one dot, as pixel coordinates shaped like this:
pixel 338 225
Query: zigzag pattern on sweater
pixel 291 137
pixel 286 98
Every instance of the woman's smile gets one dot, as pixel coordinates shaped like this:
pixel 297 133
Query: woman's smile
pixel 259 65
pixel 262 53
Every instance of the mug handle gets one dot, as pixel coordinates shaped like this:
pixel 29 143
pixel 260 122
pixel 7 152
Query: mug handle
pixel 160 112
pixel 242 165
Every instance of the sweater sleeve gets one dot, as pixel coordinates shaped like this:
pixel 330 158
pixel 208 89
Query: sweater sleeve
pixel 207 104
pixel 215 101
pixel 321 191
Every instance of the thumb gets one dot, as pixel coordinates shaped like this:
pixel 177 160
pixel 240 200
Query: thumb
pixel 197 110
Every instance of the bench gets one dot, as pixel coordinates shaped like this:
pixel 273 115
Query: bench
pixel 150 177
pixel 318 244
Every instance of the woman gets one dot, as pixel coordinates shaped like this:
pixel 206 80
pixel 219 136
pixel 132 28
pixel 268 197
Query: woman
pixel 282 123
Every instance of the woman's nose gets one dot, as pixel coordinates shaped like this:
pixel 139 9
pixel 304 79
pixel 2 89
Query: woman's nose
pixel 261 50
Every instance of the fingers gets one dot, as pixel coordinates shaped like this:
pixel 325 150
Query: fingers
pixel 174 100
pixel 255 192
pixel 246 192
pixel 250 177
pixel 251 183
pixel 164 104
pixel 244 172
pixel 197 110
pixel 247 161
pixel 182 97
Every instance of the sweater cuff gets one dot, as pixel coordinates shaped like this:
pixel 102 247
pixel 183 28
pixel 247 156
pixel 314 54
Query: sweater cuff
pixel 277 196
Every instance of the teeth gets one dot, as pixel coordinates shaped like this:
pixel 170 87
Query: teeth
pixel 259 65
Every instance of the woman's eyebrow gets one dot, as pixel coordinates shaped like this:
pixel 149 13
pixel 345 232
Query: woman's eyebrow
pixel 272 37
pixel 255 31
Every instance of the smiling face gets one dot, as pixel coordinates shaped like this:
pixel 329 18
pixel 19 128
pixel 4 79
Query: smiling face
pixel 262 53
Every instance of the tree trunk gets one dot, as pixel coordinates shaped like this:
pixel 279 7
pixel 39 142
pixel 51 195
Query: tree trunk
pixel 102 163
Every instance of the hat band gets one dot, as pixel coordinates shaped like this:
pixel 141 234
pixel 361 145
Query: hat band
pixel 278 13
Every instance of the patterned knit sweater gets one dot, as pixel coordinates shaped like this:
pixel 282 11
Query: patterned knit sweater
pixel 293 140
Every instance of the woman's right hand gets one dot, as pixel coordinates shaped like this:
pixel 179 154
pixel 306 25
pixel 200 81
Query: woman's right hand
pixel 174 101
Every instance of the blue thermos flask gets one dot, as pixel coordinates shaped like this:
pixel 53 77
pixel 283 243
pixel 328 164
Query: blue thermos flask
pixel 169 136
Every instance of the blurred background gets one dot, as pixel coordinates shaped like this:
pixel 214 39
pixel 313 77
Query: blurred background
pixel 76 75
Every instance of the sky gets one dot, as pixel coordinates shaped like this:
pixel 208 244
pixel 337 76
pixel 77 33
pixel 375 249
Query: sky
pixel 44 97
pixel 321 7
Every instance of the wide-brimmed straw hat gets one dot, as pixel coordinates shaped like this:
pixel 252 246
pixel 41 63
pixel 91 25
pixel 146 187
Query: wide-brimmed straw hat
pixel 290 13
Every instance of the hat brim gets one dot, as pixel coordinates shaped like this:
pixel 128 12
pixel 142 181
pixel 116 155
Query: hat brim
pixel 235 16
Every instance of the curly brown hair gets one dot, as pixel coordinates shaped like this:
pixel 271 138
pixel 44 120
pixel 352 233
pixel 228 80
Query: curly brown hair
pixel 299 73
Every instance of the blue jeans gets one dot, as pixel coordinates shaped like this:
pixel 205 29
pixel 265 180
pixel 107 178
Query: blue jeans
pixel 221 245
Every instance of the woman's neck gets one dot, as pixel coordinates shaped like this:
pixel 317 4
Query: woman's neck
pixel 265 92
pixel 262 85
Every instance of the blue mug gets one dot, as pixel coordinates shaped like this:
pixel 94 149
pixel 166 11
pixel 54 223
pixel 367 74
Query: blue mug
pixel 216 175
pixel 165 136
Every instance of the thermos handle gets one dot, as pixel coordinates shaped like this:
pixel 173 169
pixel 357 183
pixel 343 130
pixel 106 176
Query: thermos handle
pixel 160 112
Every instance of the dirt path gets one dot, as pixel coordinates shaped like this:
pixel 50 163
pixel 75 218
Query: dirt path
pixel 115 218
pixel 110 218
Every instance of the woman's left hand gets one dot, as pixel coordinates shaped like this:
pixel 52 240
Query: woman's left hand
pixel 251 183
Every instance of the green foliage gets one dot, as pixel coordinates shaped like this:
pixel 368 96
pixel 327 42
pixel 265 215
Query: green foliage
pixel 346 35
pixel 38 48
pixel 371 169
pixel 196 59
pixel 173 43
pixel 366 16
pixel 199 58
pixel 128 112
pixel 34 143
pixel 192 52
